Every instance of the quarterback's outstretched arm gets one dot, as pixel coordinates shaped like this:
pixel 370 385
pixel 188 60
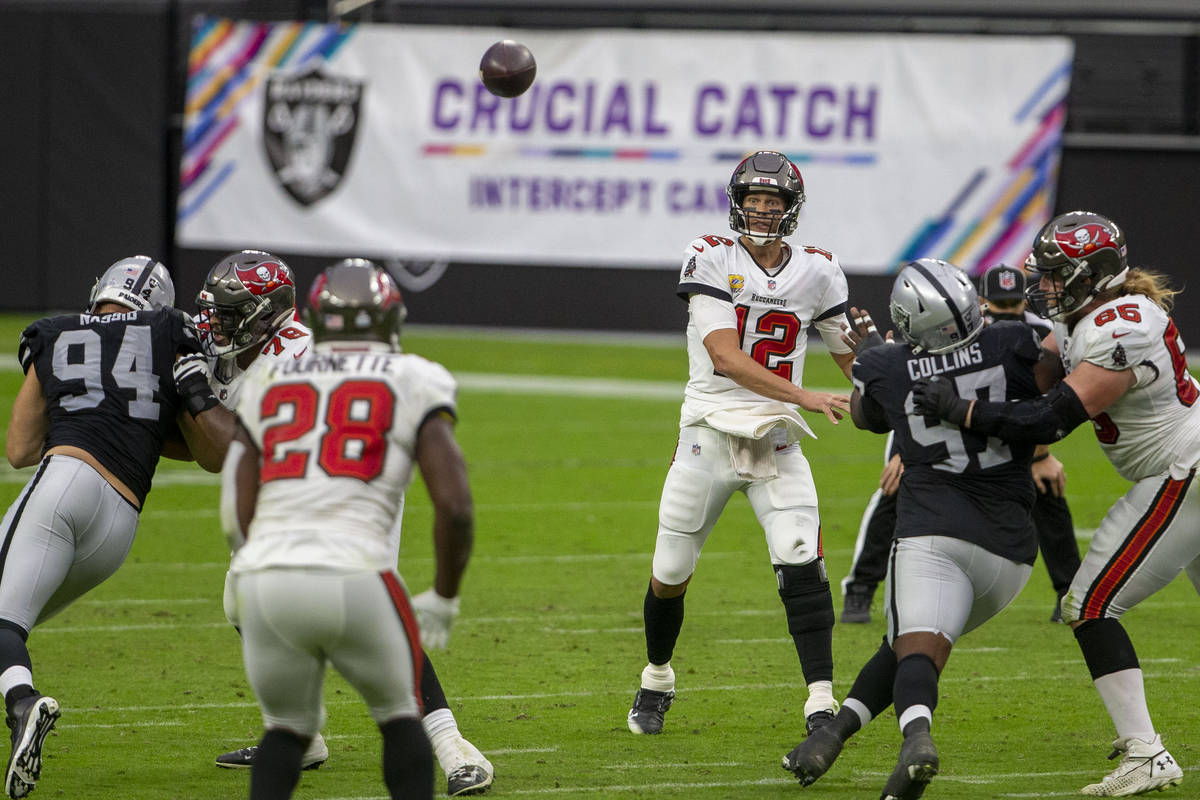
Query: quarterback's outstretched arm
pixel 730 360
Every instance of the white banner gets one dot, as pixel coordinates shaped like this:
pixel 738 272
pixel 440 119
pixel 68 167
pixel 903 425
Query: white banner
pixel 380 141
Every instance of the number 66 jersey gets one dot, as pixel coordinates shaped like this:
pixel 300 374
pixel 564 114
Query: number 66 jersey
pixel 1154 428
pixel 338 432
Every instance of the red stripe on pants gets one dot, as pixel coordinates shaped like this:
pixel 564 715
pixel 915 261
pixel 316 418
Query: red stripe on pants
pixel 409 620
pixel 1128 557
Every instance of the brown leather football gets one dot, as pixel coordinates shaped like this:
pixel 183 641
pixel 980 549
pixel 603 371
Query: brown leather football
pixel 507 68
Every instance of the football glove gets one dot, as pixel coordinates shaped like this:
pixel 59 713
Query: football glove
pixel 435 615
pixel 24 353
pixel 937 397
pixel 191 381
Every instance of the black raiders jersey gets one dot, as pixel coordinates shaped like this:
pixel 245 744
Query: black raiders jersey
pixel 957 482
pixel 108 385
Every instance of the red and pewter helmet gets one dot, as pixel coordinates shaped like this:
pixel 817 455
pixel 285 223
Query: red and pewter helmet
pixel 247 296
pixel 767 171
pixel 1086 252
pixel 355 300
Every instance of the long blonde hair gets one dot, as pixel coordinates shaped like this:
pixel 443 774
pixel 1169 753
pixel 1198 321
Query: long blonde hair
pixel 1153 285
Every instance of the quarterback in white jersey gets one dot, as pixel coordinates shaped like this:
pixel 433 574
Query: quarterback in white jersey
pixel 751 301
pixel 1120 363
pixel 314 484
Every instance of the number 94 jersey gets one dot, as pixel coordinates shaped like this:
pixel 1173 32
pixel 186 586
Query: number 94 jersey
pixel 338 434
pixel 957 482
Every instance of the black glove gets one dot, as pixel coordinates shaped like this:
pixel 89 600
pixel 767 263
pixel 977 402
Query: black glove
pixel 191 381
pixel 937 397
pixel 24 353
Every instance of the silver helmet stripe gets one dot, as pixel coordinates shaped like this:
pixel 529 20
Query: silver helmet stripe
pixel 936 284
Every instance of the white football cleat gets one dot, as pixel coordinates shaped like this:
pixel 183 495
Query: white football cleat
pixel 1145 767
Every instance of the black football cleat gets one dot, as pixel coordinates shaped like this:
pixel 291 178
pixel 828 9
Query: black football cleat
pixel 314 756
pixel 915 768
pixel 468 780
pixel 31 720
pixel 649 706
pixel 817 719
pixel 813 757
pixel 856 606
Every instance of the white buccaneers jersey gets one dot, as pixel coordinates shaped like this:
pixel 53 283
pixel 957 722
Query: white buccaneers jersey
pixel 1154 428
pixel 338 435
pixel 291 340
pixel 770 312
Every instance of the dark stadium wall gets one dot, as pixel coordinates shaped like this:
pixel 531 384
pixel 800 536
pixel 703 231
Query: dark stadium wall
pixel 84 139
pixel 89 171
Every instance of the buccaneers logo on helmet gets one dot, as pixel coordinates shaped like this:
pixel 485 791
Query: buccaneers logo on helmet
pixel 265 277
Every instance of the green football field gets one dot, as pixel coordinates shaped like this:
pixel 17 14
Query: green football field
pixel 568 439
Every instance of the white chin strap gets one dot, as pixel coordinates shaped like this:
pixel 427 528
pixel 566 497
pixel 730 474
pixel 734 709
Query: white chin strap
pixel 761 241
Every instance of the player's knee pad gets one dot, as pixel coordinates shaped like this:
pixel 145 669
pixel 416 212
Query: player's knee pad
pixel 675 557
pixel 793 534
pixel 685 499
pixel 807 601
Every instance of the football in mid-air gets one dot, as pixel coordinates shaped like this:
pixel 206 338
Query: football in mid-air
pixel 507 68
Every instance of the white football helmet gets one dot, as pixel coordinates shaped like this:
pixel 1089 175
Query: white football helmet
pixel 139 283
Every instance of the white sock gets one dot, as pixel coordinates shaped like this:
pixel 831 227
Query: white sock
pixel 860 708
pixel 820 698
pixel 442 730
pixel 659 677
pixel 13 677
pixel 915 712
pixel 1124 696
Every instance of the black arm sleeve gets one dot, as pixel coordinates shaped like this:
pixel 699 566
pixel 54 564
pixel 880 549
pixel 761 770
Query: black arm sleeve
pixel 867 414
pixel 1041 420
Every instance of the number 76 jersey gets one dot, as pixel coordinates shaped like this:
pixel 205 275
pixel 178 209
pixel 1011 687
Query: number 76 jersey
pixel 338 436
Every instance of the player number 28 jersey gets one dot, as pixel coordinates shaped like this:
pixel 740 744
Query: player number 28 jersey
pixel 772 313
pixel 338 434
pixel 1154 428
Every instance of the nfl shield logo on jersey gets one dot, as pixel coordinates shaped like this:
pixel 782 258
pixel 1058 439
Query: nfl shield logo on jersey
pixel 309 125
pixel 696 449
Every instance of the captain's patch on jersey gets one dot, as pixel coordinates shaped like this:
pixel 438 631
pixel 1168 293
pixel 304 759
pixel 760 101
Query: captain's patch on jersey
pixel 736 283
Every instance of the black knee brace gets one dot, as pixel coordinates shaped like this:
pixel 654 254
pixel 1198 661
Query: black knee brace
pixel 806 598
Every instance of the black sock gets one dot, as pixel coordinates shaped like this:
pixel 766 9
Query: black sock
pixel 14 653
pixel 815 649
pixel 664 619
pixel 844 725
pixel 1106 647
pixel 916 684
pixel 276 769
pixel 919 725
pixel 876 681
pixel 407 759
pixel 431 688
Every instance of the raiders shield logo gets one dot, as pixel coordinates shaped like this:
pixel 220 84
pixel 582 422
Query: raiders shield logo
pixel 309 125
